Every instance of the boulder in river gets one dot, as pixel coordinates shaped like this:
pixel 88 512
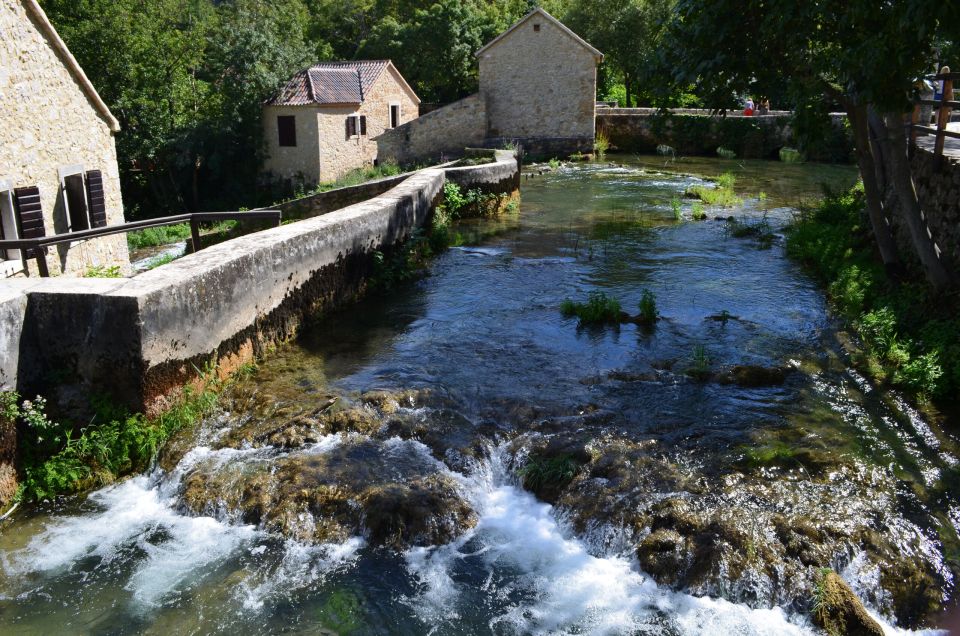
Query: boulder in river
pixel 838 610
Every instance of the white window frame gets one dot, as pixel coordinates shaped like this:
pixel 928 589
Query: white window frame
pixel 390 115
pixel 71 171
pixel 12 261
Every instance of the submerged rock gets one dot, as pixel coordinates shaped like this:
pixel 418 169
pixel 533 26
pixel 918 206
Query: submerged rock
pixel 838 610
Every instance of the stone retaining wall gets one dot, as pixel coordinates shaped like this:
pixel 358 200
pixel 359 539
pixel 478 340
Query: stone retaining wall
pixel 447 130
pixel 939 194
pixel 137 340
pixel 323 202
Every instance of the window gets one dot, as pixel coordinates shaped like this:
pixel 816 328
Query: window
pixel 536 28
pixel 394 115
pixel 287 130
pixel 363 124
pixel 8 226
pixel 353 126
pixel 74 191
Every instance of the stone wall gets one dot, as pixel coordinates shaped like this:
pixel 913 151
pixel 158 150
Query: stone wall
pixel 48 122
pixel 445 131
pixel 939 194
pixel 324 153
pixel 137 340
pixel 539 83
pixel 323 202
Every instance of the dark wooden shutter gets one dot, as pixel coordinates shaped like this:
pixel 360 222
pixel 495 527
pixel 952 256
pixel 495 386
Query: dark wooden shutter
pixel 98 206
pixel 29 217
pixel 351 126
pixel 287 130
pixel 363 124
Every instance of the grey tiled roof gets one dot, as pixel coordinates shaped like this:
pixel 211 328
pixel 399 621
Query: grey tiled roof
pixel 330 83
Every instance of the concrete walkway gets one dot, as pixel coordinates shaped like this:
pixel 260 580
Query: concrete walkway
pixel 951 147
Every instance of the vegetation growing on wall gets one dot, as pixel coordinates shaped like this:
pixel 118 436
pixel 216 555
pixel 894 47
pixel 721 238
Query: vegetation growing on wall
pixel 63 457
pixel 910 335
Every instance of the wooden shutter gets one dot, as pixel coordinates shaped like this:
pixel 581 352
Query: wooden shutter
pixel 351 126
pixel 29 217
pixel 98 206
pixel 363 124
pixel 287 130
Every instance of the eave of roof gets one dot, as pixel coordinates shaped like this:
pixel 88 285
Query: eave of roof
pixel 538 11
pixel 72 65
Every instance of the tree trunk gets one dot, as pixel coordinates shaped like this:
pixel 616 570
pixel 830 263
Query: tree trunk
pixel 857 114
pixel 895 145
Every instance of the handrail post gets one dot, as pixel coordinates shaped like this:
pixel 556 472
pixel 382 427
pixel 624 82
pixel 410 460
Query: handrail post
pixel 943 117
pixel 42 262
pixel 195 234
pixel 914 120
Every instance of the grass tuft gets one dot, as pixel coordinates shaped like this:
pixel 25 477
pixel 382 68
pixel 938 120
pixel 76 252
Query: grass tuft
pixel 599 309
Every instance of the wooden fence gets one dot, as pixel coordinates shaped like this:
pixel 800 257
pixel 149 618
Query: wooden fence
pixel 944 107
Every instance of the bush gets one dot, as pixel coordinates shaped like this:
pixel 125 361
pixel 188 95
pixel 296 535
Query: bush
pixel 153 236
pixel 648 308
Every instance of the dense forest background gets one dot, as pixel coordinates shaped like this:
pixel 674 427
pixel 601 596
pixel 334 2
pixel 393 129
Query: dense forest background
pixel 186 78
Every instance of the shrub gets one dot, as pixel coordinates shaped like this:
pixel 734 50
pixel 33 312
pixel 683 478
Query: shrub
pixel 102 271
pixel 791 155
pixel 601 143
pixel 675 206
pixel 153 236
pixel 697 211
pixel 699 368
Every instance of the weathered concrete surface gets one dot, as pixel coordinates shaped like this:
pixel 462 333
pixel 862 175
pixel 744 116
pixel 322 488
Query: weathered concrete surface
pixel 502 176
pixel 137 340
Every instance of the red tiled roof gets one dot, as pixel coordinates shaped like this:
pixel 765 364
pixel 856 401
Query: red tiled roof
pixel 330 83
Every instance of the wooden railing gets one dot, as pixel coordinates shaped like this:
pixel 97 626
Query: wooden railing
pixel 944 107
pixel 194 219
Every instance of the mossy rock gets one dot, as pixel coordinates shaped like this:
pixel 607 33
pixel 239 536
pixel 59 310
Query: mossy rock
pixel 838 611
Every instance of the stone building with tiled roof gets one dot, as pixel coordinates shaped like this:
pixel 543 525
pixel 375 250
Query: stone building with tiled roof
pixel 58 167
pixel 321 124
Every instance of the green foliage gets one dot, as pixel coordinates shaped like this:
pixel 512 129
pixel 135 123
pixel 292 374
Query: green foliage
pixel 554 163
pixel 154 236
pixel 60 458
pixel 759 230
pixel 726 153
pixel 676 208
pixel 473 202
pixel 601 144
pixel 791 155
pixel 103 271
pixel 648 308
pixel 722 194
pixel 551 473
pixel 358 176
pixel 161 260
pixel 697 211
pixel 599 309
pixel 911 336
pixel 700 362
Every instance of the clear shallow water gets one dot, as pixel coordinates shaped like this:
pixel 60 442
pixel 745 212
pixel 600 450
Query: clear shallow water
pixel 484 335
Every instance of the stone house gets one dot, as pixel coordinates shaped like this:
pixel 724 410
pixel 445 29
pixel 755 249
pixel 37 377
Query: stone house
pixel 322 123
pixel 538 87
pixel 58 168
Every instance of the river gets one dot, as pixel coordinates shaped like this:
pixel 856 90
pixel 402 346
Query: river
pixel 368 478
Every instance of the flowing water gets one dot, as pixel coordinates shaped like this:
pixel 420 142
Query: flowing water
pixel 690 478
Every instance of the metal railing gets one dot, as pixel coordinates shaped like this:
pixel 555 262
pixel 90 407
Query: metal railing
pixel 944 106
pixel 194 219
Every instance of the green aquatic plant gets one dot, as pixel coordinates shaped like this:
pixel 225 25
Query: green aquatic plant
pixel 759 230
pixel 791 155
pixel 665 150
pixel 723 317
pixel 648 308
pixel 676 208
pixel 551 473
pixel 726 153
pixel 601 143
pixel 721 194
pixel 599 309
pixel 697 211
pixel 554 163
pixel 699 368
pixel 161 260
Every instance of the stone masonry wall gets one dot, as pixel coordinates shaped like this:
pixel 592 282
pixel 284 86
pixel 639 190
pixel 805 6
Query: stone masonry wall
pixel 539 84
pixel 447 130
pixel 301 163
pixel 47 122
pixel 137 340
pixel 939 194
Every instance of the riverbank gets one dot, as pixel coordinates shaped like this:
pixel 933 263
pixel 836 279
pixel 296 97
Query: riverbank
pixel 910 336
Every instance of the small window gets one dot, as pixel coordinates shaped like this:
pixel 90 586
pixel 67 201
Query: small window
pixel 536 28
pixel 394 115
pixel 352 124
pixel 363 124
pixel 287 130
pixel 8 222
